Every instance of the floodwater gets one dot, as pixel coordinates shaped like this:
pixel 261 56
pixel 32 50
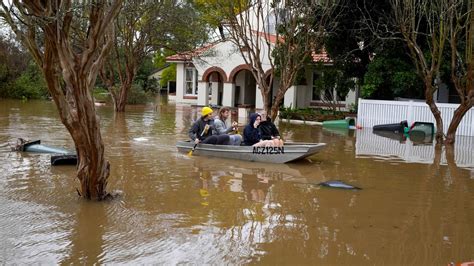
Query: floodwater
pixel 416 206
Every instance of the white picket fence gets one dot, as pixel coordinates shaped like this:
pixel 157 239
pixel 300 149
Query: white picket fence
pixel 376 112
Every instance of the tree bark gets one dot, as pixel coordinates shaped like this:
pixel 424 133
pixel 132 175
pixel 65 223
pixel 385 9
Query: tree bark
pixel 263 85
pixel 121 101
pixel 439 135
pixel 83 125
pixel 93 169
pixel 266 99
pixel 457 117
pixel 276 104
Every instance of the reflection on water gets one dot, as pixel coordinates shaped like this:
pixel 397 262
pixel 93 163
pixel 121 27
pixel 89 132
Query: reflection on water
pixel 374 145
pixel 415 206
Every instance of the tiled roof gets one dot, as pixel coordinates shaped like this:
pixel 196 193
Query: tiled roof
pixel 188 55
pixel 321 57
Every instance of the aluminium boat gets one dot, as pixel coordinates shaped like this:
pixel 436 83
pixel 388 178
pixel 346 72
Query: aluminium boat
pixel 290 152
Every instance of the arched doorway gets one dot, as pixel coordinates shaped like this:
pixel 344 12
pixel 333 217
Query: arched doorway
pixel 245 86
pixel 215 78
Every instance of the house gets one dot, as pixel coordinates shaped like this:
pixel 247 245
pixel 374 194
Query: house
pixel 156 75
pixel 217 74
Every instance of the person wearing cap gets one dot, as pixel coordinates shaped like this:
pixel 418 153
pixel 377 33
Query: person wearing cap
pixel 202 130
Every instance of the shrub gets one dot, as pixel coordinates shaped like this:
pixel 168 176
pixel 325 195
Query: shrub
pixel 137 95
pixel 30 85
pixel 101 95
pixel 310 114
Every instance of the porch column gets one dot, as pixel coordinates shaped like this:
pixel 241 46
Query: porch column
pixel 228 97
pixel 214 92
pixel 180 88
pixel 290 97
pixel 258 98
pixel 203 93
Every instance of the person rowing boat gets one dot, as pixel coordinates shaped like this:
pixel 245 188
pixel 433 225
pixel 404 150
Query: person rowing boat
pixel 202 131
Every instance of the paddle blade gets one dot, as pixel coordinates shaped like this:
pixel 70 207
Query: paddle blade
pixel 190 153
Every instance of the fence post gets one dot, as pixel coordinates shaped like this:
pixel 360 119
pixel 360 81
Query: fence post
pixel 359 113
pixel 410 113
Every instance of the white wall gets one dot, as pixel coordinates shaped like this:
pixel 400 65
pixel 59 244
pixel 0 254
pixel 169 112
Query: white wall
pixel 179 82
pixel 226 56
pixel 180 89
pixel 350 98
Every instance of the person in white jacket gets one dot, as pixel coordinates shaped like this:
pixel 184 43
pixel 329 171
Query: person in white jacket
pixel 221 127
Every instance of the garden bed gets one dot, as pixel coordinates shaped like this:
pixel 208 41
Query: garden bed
pixel 311 114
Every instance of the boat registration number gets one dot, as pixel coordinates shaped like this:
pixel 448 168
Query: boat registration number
pixel 268 150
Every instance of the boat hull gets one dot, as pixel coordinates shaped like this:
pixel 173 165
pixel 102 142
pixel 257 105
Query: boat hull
pixel 288 153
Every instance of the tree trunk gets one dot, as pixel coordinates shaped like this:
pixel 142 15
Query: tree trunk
pixel 266 102
pixel 276 104
pixel 274 111
pixel 121 101
pixel 457 117
pixel 439 135
pixel 93 169
pixel 120 98
pixel 265 91
pixel 83 125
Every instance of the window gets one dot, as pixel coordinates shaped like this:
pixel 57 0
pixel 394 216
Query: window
pixel 322 95
pixel 316 93
pixel 328 93
pixel 191 81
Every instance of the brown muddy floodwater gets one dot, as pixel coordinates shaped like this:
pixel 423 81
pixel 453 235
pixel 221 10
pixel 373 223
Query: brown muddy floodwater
pixel 416 206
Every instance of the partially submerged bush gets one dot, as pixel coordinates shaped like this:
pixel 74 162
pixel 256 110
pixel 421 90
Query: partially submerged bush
pixel 101 95
pixel 29 85
pixel 137 95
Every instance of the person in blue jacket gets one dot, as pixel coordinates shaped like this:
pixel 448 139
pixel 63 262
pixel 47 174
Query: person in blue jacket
pixel 253 134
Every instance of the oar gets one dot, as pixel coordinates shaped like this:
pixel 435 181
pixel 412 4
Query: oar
pixel 190 153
